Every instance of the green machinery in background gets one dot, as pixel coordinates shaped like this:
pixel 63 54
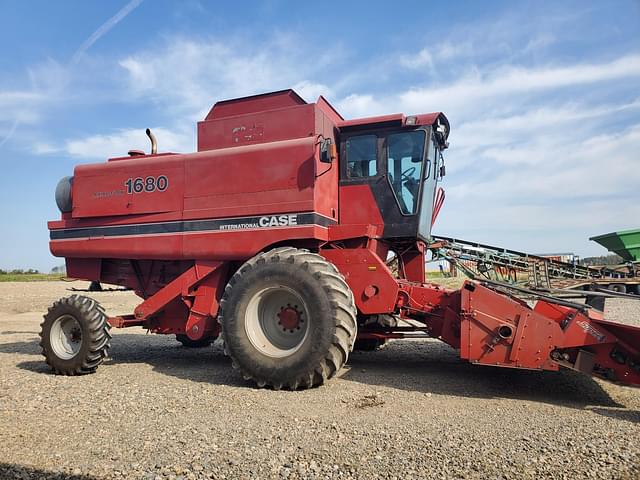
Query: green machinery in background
pixel 625 243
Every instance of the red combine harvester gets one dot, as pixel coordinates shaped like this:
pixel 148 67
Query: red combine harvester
pixel 276 233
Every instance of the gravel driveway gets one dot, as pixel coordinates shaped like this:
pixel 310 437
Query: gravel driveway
pixel 411 410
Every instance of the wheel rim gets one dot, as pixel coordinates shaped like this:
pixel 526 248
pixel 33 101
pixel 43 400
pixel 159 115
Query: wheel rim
pixel 66 337
pixel 277 321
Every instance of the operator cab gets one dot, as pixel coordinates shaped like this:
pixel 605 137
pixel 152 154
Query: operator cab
pixel 401 165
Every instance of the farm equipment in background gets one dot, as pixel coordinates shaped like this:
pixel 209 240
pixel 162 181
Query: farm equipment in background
pixel 625 243
pixel 275 235
pixel 624 278
pixel 543 273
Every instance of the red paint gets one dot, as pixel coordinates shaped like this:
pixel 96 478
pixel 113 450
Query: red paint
pixel 257 182
pixel 289 318
pixel 437 204
pixel 372 283
pixel 358 206
pixel 411 263
pixel 254 103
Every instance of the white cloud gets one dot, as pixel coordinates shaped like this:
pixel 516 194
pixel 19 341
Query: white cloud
pixel 542 157
pixel 436 54
pixel 188 76
pixel 117 144
pixel 15 98
pixel 311 91
pixel 419 60
pixel 16 108
pixel 566 121
pixel 536 228
pixel 357 105
pixel 604 164
pixel 539 42
pixel 449 50
pixel 551 192
pixel 502 40
pixel 479 88
pixel 566 168
pixel 42 148
pixel 19 106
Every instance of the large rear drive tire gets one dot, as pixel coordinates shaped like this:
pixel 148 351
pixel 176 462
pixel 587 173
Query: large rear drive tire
pixel 75 336
pixel 288 319
pixel 187 342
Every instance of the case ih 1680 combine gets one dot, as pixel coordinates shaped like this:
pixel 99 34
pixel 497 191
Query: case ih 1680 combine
pixel 275 235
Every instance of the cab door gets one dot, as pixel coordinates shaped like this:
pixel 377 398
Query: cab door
pixel 380 179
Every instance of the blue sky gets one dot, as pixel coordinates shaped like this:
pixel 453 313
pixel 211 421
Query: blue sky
pixel 543 99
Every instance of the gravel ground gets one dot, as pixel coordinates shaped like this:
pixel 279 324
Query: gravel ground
pixel 412 410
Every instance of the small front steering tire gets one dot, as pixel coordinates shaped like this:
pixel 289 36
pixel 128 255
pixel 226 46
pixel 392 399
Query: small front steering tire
pixel 75 336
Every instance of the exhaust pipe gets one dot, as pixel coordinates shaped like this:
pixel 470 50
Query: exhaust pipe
pixel 154 142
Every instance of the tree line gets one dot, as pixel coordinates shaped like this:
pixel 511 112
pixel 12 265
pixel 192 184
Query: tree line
pixel 602 260
pixel 19 271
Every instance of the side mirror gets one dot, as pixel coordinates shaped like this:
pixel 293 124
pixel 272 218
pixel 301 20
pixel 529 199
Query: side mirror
pixel 443 171
pixel 328 152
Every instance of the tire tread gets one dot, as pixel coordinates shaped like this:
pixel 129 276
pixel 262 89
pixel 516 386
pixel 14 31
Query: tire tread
pixel 342 304
pixel 90 312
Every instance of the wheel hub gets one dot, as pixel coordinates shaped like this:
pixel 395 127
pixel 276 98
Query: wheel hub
pixel 277 321
pixel 290 318
pixel 76 335
pixel 66 337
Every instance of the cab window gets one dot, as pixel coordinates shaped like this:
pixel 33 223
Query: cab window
pixel 362 155
pixel 404 164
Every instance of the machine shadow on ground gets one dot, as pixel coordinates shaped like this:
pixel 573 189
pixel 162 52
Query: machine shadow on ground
pixel 433 367
pixel 163 353
pixel 9 471
pixel 416 366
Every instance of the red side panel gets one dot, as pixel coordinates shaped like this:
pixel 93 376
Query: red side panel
pixel 104 189
pixel 240 245
pixel 270 178
pixel 328 110
pixel 326 182
pixel 218 245
pixel 260 127
pixel 374 288
pixel 87 268
pixel 358 206
pixel 498 330
pixel 165 247
pixel 255 103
